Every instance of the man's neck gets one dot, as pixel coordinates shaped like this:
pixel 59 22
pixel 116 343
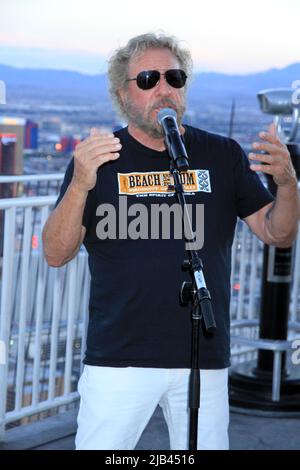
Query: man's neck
pixel 148 141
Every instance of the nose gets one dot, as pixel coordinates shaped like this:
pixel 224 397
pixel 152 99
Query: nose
pixel 162 87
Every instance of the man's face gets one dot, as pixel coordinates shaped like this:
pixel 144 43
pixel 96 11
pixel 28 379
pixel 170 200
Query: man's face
pixel 142 106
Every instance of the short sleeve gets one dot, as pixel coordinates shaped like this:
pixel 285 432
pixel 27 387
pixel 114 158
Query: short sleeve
pixel 87 214
pixel 251 194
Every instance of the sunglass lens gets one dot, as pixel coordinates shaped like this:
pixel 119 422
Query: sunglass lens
pixel 147 79
pixel 176 78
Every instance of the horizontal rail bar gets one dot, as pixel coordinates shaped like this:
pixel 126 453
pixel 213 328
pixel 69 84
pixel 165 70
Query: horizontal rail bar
pixel 46 405
pixel 37 201
pixel 22 178
pixel 269 344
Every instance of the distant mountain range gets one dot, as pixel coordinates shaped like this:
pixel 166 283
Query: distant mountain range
pixel 64 84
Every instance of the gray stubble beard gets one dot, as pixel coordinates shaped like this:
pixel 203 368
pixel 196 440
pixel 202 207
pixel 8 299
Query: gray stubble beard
pixel 139 119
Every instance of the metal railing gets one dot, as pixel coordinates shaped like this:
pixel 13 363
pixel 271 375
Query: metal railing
pixel 43 311
pixel 30 185
pixel 247 256
pixel 30 178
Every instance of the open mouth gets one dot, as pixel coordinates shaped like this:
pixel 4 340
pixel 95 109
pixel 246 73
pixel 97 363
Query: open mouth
pixel 159 108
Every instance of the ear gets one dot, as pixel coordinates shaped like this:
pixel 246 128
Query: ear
pixel 121 93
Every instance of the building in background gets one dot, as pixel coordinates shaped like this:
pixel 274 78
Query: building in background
pixel 15 126
pixel 31 135
pixel 11 159
pixel 52 126
pixel 67 144
pixel 8 143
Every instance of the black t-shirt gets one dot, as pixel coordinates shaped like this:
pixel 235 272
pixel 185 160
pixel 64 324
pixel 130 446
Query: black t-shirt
pixel 135 315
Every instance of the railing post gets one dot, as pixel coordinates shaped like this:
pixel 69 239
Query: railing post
pixel 6 306
pixel 72 271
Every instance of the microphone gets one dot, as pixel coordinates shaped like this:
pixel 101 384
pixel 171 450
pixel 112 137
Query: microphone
pixel 167 119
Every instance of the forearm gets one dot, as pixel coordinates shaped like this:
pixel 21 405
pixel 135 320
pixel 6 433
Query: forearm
pixel 62 231
pixel 283 218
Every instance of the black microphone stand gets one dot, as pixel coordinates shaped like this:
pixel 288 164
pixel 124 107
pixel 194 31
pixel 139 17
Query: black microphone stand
pixel 195 292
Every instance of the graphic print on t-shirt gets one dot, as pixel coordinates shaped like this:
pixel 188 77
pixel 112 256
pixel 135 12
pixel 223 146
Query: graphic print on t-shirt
pixel 160 182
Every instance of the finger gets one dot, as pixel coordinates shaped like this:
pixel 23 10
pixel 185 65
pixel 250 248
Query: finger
pixel 100 160
pixel 94 131
pixel 272 129
pixel 101 135
pixel 103 139
pixel 104 149
pixel 271 137
pixel 109 151
pixel 90 145
pixel 263 168
pixel 101 142
pixel 266 147
pixel 262 157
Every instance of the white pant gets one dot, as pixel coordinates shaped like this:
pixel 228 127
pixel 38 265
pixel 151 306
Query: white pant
pixel 117 403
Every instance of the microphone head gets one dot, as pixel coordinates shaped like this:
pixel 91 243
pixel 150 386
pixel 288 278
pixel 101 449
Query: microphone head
pixel 166 113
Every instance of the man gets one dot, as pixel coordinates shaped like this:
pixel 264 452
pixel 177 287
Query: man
pixel 139 336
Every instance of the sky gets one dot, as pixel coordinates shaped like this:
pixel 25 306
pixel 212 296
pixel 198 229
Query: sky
pixel 233 36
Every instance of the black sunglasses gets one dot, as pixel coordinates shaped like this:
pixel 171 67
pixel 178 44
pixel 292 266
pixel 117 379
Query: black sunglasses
pixel 149 78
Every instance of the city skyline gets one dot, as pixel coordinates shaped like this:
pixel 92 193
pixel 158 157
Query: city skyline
pixel 229 37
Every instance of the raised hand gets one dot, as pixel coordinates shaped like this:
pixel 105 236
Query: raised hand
pixel 92 153
pixel 277 158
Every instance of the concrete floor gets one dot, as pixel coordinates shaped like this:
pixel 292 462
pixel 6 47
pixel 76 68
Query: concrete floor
pixel 245 432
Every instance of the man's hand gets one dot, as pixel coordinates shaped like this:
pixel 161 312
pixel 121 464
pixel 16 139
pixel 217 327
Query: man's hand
pixel 90 154
pixel 277 158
